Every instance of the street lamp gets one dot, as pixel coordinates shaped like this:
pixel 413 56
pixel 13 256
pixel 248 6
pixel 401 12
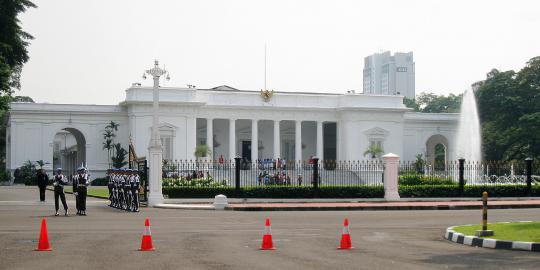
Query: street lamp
pixel 155 149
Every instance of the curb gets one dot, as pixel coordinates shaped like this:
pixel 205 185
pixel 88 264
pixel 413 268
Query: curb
pixel 474 241
pixel 372 208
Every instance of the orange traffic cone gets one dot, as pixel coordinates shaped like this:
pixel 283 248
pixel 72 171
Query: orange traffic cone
pixel 43 244
pixel 267 243
pixel 146 244
pixel 346 236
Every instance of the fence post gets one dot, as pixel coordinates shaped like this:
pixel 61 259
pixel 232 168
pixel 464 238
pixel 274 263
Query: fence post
pixel 316 176
pixel 461 178
pixel 528 168
pixel 391 162
pixel 237 175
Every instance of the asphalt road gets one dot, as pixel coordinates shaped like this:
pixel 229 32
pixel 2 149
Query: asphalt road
pixel 190 239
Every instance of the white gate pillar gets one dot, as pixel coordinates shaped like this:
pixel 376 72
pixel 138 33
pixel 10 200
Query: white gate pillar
pixel 391 163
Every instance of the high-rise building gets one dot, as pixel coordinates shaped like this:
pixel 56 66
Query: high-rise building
pixel 387 74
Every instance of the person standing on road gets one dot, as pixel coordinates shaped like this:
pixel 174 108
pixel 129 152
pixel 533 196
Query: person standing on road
pixel 42 181
pixel 82 189
pixel 58 182
pixel 75 193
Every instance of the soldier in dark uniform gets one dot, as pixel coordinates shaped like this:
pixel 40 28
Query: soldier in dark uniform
pixel 135 190
pixel 75 185
pixel 82 189
pixel 127 190
pixel 42 182
pixel 110 185
pixel 58 182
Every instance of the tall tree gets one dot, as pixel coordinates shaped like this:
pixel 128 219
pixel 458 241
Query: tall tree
pixel 13 44
pixel 509 109
pixel 432 103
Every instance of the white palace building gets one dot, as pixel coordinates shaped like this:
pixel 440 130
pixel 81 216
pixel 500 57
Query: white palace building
pixel 249 124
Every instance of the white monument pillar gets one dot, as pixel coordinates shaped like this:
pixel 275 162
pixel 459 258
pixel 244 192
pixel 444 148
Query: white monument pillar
pixel 210 137
pixel 391 163
pixel 277 140
pixel 254 140
pixel 155 149
pixel 320 150
pixel 298 141
pixel 232 138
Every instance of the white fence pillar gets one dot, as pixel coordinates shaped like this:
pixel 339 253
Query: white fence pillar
pixel 391 163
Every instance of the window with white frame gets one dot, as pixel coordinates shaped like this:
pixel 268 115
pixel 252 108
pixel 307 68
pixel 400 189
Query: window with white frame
pixel 376 137
pixel 167 133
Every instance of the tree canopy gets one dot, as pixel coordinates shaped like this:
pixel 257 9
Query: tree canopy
pixel 13 47
pixel 431 103
pixel 509 110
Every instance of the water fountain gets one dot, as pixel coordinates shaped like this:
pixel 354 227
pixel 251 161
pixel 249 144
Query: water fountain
pixel 469 138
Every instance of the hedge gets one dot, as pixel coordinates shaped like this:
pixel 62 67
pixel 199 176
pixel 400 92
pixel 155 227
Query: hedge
pixel 425 191
pixel 277 192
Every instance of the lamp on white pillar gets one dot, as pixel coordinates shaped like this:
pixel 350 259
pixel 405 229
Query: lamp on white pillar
pixel 210 136
pixel 320 139
pixel 298 141
pixel 232 138
pixel 155 149
pixel 277 141
pixel 254 140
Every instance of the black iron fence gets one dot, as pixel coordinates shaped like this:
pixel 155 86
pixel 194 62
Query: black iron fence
pixel 241 174
pixel 269 172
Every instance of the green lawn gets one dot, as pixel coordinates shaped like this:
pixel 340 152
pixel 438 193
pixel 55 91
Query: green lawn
pixel 102 192
pixel 515 231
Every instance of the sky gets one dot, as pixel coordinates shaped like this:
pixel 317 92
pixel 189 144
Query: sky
pixel 89 52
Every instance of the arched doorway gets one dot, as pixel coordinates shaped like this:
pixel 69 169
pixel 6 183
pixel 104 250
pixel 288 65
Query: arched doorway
pixel 69 150
pixel 437 151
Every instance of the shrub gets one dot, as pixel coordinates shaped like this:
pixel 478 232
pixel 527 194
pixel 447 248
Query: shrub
pixel 420 179
pixel 26 174
pixel 4 176
pixel 197 182
pixel 427 191
pixel 412 191
pixel 102 181
pixel 277 192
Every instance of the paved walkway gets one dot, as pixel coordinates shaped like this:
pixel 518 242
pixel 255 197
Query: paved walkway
pixel 348 204
pixel 424 205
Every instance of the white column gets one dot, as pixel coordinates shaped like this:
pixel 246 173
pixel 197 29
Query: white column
pixel 191 137
pixel 232 138
pixel 277 140
pixel 339 134
pixel 254 140
pixel 320 150
pixel 298 140
pixel 391 162
pixel 155 152
pixel 210 136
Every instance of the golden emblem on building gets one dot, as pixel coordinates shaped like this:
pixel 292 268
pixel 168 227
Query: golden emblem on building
pixel 267 95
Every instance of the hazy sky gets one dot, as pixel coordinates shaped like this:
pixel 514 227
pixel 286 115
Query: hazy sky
pixel 91 51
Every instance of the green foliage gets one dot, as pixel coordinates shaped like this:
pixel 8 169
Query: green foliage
pixel 433 191
pixel 202 150
pixel 27 174
pixel 374 151
pixel 514 231
pixel 420 179
pixel 4 176
pixel 405 191
pixel 102 181
pixel 411 103
pixel 119 160
pixel 116 154
pixel 13 44
pixel 197 182
pixel 509 109
pixel 278 192
pixel 431 103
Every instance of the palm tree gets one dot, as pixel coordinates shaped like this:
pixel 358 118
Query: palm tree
pixel 374 150
pixel 108 144
pixel 112 126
